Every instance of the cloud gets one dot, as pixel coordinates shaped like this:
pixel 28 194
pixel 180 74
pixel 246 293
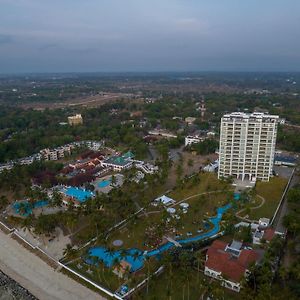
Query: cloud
pixel 49 46
pixel 5 39
pixel 191 24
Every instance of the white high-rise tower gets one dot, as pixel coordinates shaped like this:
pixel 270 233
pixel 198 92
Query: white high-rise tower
pixel 247 145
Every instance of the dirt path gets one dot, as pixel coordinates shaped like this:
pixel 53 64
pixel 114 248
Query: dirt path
pixel 197 195
pixel 186 199
pixel 36 276
pixel 263 200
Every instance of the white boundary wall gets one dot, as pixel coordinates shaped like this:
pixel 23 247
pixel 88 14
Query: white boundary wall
pixel 282 197
pixel 13 231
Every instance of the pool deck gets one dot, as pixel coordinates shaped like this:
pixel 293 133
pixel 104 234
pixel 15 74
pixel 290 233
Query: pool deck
pixel 106 189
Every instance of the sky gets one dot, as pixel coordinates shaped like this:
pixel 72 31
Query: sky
pixel 149 35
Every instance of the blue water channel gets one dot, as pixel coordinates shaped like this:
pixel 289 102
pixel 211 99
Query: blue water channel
pixel 24 208
pixel 136 257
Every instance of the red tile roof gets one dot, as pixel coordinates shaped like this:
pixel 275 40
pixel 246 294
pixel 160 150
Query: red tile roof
pixel 217 244
pixel 269 234
pixel 231 267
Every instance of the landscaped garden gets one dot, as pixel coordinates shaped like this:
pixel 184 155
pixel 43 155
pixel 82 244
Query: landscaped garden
pixel 202 194
pixel 272 192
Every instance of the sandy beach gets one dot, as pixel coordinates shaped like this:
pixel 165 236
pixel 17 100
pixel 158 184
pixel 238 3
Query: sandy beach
pixel 36 276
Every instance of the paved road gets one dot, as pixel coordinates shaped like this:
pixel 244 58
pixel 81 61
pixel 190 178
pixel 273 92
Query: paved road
pixel 284 209
pixel 36 276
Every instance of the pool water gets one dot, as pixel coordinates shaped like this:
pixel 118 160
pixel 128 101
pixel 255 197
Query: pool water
pixel 133 256
pixel 136 257
pixel 27 208
pixel 79 194
pixel 104 183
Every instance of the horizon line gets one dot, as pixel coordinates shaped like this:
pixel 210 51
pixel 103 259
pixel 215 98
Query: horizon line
pixel 144 72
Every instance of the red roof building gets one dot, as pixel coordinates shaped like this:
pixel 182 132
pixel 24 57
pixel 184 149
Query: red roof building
pixel 229 263
pixel 269 234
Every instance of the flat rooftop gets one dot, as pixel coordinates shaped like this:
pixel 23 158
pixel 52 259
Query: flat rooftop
pixel 254 115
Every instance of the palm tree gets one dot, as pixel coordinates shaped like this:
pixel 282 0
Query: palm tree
pixel 69 251
pixel 283 274
pixel 3 201
pixel 136 255
pixel 123 254
pixel 109 250
pixel 56 199
pixel 185 266
pixel 147 260
pixel 168 264
pixel 71 222
pixel 113 180
pixel 23 209
pixel 198 258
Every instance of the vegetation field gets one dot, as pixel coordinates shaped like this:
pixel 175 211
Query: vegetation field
pixel 183 284
pixel 204 182
pixel 271 191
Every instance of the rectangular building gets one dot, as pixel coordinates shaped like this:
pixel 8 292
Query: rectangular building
pixel 75 120
pixel 247 146
pixel 193 139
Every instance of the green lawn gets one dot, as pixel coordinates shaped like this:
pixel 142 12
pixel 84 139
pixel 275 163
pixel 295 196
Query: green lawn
pixel 174 287
pixel 133 234
pixel 201 207
pixel 207 182
pixel 100 274
pixel 272 192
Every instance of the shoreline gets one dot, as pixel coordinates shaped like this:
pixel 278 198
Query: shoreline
pixel 36 276
pixel 10 287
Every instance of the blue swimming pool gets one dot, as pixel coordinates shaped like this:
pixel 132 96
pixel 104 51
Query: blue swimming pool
pixel 136 257
pixel 104 183
pixel 25 209
pixel 78 193
pixel 133 256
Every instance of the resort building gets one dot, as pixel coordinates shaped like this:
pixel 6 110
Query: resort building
pixel 263 235
pixel 7 166
pixel 146 167
pixel 190 120
pixel 212 167
pixel 229 263
pixel 193 139
pixel 164 200
pixel 75 120
pixel 52 154
pixel 119 163
pixel 263 232
pixel 247 146
pixel 56 153
pixel 94 145
pixel 163 133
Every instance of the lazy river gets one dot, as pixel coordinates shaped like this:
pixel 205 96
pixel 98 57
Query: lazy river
pixel 136 257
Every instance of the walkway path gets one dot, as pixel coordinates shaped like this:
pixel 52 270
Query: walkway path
pixel 36 276
pixel 172 241
pixel 200 194
pixel 263 200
